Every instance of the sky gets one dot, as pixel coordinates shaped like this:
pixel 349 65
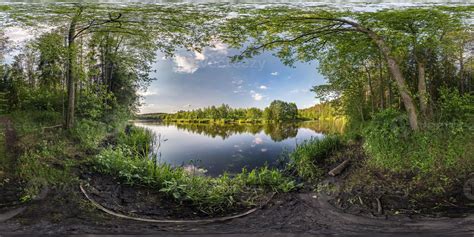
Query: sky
pixel 192 80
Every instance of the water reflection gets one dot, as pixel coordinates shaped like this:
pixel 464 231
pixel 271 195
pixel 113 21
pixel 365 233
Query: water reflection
pixel 277 132
pixel 213 149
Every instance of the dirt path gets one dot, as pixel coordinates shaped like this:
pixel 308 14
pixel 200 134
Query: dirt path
pixel 287 213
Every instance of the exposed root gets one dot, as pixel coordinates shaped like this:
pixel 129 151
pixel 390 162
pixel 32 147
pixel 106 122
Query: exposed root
pixel 203 221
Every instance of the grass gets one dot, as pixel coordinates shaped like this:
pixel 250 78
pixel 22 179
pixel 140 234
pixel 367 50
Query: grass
pixel 209 195
pixel 48 158
pixel 308 156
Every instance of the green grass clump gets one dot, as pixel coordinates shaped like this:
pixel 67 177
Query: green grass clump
pixel 209 195
pixel 306 156
pixel 89 133
pixel 139 139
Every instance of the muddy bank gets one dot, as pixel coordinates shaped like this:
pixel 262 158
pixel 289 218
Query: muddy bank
pixel 287 213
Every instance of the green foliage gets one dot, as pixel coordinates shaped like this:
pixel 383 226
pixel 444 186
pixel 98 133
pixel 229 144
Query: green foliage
pixel 277 111
pixel 307 157
pixel 89 133
pixel 280 111
pixel 141 140
pixel 455 107
pixel 439 148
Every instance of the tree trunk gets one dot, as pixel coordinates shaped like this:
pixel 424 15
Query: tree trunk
pixel 70 74
pixel 423 95
pixel 372 104
pixel 397 76
pixel 382 85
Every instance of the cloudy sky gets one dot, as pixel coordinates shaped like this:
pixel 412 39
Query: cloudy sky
pixel 193 80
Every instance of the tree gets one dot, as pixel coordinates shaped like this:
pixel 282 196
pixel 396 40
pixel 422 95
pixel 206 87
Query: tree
pixel 302 34
pixel 167 27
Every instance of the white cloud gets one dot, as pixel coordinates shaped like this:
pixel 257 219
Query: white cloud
pixel 147 93
pixel 237 82
pixel 257 96
pixel 184 64
pixel 274 73
pixel 264 150
pixel 263 87
pixel 199 56
pixel 219 47
pixel 258 140
pixel 295 91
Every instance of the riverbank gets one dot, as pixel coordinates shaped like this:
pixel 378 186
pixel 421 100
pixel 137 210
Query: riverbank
pixel 308 211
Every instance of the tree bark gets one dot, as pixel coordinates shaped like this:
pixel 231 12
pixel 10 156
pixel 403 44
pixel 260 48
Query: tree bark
pixel 397 76
pixel 382 84
pixel 369 77
pixel 422 93
pixel 71 91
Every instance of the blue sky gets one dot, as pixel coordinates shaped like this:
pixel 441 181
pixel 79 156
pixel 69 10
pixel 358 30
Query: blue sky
pixel 193 80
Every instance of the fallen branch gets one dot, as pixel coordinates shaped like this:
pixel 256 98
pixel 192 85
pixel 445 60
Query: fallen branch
pixel 338 170
pixel 211 220
pixel 43 129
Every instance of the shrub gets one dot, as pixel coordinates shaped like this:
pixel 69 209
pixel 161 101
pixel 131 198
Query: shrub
pixel 454 106
pixel 393 146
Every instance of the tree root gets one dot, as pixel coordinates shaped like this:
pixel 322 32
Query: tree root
pixel 202 221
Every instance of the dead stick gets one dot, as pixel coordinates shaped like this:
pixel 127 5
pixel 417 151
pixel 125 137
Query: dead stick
pixel 336 171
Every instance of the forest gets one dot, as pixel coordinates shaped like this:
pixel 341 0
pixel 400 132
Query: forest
pixel 399 80
pixel 277 111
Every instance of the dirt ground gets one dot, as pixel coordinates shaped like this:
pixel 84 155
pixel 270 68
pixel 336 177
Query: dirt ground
pixel 293 213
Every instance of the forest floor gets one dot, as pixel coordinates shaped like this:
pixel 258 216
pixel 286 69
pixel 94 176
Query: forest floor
pixel 65 210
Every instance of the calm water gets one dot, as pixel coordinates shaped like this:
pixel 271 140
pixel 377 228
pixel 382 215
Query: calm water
pixel 219 148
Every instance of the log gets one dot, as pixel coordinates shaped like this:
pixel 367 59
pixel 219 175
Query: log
pixel 338 170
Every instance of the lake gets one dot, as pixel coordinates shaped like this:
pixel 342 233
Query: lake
pixel 218 148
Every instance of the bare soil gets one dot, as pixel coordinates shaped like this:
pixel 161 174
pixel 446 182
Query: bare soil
pixel 10 184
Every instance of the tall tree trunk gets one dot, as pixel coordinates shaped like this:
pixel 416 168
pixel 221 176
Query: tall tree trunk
pixel 369 77
pixel 382 84
pixel 396 74
pixel 422 93
pixel 71 92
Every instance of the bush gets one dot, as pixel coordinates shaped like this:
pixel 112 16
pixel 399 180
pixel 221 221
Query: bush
pixel 455 107
pixel 306 156
pixel 89 133
pixel 439 147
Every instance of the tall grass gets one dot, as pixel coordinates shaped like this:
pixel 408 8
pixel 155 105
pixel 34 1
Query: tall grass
pixel 308 156
pixel 392 145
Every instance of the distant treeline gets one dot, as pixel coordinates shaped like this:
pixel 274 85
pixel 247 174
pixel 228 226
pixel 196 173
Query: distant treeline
pixel 277 111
